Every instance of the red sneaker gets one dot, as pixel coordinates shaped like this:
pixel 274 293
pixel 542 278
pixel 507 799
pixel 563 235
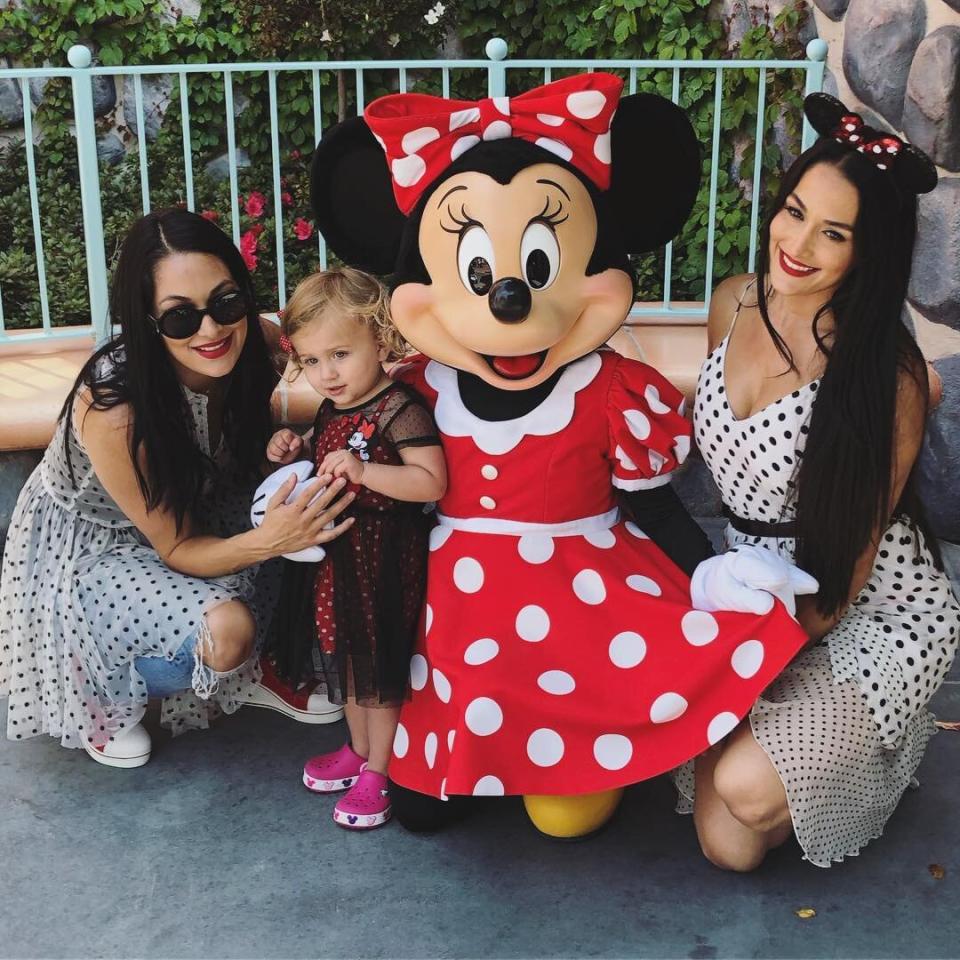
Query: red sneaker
pixel 305 704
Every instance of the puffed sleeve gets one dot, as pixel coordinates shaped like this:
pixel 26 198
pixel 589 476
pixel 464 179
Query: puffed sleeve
pixel 649 435
pixel 411 372
pixel 407 423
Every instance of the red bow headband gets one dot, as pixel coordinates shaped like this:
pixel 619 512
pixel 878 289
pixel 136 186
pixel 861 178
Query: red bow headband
pixel 882 151
pixel 422 135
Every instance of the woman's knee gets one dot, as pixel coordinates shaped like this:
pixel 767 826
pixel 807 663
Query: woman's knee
pixel 233 631
pixel 753 794
pixel 726 854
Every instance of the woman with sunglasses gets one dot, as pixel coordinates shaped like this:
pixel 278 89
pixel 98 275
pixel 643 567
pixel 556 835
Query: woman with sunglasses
pixel 130 568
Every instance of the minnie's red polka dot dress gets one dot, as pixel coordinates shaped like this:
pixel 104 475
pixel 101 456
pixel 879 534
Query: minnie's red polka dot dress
pixel 558 653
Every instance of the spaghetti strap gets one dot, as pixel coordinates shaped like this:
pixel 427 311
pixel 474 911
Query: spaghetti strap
pixel 736 313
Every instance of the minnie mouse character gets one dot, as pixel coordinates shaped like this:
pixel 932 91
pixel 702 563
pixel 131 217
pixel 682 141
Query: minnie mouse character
pixel 360 438
pixel 559 656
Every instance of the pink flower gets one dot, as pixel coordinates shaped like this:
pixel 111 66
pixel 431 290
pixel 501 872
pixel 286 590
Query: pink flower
pixel 248 250
pixel 286 199
pixel 255 204
pixel 294 154
pixel 257 229
pixel 303 229
pixel 211 215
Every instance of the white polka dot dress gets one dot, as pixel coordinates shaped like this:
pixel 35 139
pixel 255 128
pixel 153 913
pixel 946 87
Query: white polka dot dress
pixel 846 724
pixel 83 594
pixel 558 653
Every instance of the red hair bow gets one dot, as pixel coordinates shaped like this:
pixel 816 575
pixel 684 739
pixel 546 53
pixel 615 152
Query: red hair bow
pixel 422 135
pixel 881 150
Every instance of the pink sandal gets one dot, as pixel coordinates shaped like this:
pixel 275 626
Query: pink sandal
pixel 330 772
pixel 366 805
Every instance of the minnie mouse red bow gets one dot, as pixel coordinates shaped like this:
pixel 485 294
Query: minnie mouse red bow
pixel 881 151
pixel 422 135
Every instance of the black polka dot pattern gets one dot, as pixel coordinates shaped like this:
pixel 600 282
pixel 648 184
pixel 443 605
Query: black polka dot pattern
pixel 841 785
pixel 754 460
pixel 83 595
pixel 850 723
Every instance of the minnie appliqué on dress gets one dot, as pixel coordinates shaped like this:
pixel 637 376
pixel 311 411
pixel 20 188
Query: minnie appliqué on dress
pixel 360 441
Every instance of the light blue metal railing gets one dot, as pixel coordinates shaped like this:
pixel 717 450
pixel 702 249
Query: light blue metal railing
pixel 496 66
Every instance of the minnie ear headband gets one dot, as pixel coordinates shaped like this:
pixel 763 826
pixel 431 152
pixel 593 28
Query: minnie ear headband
pixel 422 135
pixel 910 167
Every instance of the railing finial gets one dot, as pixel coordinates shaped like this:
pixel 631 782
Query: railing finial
pixel 79 56
pixel 817 50
pixel 496 48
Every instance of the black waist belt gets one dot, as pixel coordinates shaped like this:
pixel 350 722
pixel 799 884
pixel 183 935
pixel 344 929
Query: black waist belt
pixel 760 528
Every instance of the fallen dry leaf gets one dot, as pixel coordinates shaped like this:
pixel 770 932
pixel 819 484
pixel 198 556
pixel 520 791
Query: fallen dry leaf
pixel 949 724
pixel 805 913
pixel 936 871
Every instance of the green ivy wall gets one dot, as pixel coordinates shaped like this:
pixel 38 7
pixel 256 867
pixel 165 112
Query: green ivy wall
pixel 155 31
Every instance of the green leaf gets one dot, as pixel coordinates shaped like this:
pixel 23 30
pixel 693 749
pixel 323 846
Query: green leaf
pixel 622 29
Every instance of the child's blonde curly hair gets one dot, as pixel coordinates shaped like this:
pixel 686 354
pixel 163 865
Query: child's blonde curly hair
pixel 344 292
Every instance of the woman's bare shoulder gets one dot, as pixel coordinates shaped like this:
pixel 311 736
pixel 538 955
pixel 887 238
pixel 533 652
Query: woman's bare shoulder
pixel 727 296
pixel 94 422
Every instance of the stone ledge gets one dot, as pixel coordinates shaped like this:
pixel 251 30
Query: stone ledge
pixel 35 378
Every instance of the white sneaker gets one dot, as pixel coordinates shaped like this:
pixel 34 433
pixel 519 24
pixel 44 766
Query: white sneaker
pixel 131 748
pixel 311 708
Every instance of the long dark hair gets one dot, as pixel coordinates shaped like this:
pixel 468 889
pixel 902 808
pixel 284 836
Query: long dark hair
pixel 135 368
pixel 844 477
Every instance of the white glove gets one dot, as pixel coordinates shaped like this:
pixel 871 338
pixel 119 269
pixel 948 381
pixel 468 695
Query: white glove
pixel 304 471
pixel 746 579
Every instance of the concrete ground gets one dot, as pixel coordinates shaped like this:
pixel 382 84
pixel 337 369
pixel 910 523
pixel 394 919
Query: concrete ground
pixel 215 850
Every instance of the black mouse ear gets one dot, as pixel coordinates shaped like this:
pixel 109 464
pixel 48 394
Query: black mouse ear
pixel 914 170
pixel 656 170
pixel 352 197
pixel 825 112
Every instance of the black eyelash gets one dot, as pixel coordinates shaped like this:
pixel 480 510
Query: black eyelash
pixel 461 224
pixel 551 219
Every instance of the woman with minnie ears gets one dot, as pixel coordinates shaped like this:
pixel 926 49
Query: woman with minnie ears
pixel 810 413
pixel 130 568
pixel 559 656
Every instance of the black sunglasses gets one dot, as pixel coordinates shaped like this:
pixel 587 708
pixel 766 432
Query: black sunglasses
pixel 184 321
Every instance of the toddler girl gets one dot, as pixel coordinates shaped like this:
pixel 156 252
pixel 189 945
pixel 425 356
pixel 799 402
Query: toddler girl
pixel 359 615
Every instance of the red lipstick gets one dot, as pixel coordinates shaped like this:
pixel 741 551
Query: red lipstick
pixel 214 351
pixel 795 268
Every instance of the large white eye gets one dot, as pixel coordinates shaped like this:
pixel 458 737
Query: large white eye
pixel 475 260
pixel 539 255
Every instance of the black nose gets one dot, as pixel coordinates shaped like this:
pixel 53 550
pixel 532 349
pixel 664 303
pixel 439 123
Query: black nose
pixel 510 300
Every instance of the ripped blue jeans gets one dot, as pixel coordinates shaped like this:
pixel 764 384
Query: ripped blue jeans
pixel 163 677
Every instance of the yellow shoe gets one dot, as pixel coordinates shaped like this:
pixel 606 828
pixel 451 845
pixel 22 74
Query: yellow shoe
pixel 572 818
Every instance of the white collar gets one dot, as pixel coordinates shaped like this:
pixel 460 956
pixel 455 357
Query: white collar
pixel 550 416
